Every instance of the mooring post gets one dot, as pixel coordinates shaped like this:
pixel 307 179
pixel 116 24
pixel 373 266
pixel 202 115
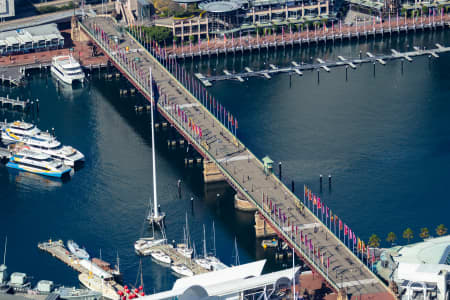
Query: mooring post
pixel 346 73
pixel 293 186
pixel 279 169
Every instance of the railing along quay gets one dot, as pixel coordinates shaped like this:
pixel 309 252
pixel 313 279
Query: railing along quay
pixel 218 143
pixel 332 34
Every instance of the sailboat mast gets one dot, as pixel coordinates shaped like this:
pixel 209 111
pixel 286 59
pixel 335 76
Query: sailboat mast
pixel 204 242
pixel 155 200
pixel 214 239
pixel 4 253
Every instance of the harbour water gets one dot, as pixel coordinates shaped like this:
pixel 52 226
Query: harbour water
pixel 385 138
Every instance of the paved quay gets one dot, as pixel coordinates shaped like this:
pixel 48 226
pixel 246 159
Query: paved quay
pixel 346 273
pixel 320 34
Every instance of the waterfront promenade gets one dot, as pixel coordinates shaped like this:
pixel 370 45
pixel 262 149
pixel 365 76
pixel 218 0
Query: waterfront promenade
pixel 345 273
pixel 305 36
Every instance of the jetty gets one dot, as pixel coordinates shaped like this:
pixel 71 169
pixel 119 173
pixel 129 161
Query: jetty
pixel 109 288
pixel 227 158
pixel 326 65
pixel 14 103
pixel 178 258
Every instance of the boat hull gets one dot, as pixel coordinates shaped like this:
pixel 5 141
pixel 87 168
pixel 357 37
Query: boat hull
pixel 65 79
pixel 56 174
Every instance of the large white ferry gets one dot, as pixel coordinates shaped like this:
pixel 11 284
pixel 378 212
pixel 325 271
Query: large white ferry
pixel 67 69
pixel 39 163
pixel 40 141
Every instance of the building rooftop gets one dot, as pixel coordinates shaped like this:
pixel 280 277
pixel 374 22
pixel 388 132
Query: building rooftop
pixel 7 8
pixel 430 251
pixel 35 34
pixel 220 6
pixel 225 282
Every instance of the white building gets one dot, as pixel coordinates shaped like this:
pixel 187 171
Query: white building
pixel 232 284
pixel 421 270
pixel 31 39
pixel 7 9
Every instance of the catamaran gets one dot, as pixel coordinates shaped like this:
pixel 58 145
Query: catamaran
pixel 39 141
pixel 67 69
pixel 38 163
pixel 155 215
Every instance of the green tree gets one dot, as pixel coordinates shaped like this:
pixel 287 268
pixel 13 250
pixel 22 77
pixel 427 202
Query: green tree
pixel 403 11
pixel 391 238
pixel 408 234
pixel 159 34
pixel 424 9
pixel 441 230
pixel 374 241
pixel 424 233
pixel 192 38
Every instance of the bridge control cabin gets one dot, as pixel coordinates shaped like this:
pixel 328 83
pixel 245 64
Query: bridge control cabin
pixel 268 165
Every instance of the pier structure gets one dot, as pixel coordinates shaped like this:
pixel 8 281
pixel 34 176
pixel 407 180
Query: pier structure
pixel 336 33
pixel 109 288
pixel 325 65
pixel 14 103
pixel 342 270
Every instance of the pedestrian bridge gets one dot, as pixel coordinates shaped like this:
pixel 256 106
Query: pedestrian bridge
pixel 214 134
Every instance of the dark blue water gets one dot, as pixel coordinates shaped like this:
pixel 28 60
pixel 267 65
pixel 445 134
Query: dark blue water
pixel 385 139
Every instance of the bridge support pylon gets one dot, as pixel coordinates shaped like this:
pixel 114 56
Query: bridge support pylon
pixel 211 173
pixel 342 295
pixel 241 203
pixel 262 228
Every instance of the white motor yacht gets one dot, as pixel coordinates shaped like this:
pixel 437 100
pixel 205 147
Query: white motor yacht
pixel 39 163
pixel 67 69
pixel 182 270
pixel 160 256
pixel 143 246
pixel 40 141
pixel 76 250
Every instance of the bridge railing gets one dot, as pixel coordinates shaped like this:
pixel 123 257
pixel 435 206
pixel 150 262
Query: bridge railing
pixel 291 238
pixel 294 197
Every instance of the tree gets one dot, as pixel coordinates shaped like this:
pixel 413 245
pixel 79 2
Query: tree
pixel 408 234
pixel 403 11
pixel 374 241
pixel 192 38
pixel 424 9
pixel 424 233
pixel 441 230
pixel 391 238
pixel 159 34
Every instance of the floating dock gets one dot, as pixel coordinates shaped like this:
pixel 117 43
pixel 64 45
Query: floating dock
pixel 178 258
pixel 14 103
pixel 58 250
pixel 327 65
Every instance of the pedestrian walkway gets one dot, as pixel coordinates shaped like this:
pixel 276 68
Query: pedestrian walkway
pixel 214 140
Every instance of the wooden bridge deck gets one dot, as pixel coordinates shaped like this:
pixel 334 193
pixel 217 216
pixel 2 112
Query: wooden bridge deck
pixel 241 168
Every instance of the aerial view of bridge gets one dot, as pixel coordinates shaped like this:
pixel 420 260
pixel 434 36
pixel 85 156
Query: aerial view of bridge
pixel 302 224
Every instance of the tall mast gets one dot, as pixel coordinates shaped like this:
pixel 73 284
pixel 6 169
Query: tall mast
pixel 204 242
pixel 4 253
pixel 155 200
pixel 214 239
